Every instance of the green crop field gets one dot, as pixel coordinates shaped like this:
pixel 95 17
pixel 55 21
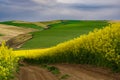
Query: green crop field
pixel 61 32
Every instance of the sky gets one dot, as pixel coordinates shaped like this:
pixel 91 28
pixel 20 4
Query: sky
pixel 44 10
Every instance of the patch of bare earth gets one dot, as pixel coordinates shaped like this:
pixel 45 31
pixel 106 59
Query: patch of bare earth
pixel 85 72
pixel 75 72
pixel 34 73
pixel 12 31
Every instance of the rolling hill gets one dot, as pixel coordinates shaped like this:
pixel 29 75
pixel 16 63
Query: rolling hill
pixel 77 44
pixel 56 31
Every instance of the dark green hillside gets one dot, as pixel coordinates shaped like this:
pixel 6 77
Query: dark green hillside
pixel 61 32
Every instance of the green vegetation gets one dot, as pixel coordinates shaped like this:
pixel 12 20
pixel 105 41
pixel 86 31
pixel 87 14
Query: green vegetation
pixel 61 32
pixel 8 63
pixel 100 47
pixel 35 25
pixel 24 25
pixel 52 69
pixel 65 76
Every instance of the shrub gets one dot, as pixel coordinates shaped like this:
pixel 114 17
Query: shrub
pixel 8 63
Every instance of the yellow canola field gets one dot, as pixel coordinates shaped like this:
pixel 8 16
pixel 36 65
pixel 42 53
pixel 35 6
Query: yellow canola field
pixel 33 53
pixel 39 52
pixel 97 47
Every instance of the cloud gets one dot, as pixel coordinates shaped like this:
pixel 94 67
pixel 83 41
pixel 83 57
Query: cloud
pixel 89 2
pixel 37 10
pixel 45 2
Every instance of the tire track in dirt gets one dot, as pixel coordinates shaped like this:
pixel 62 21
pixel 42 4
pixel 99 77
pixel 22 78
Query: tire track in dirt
pixel 75 72
pixel 35 73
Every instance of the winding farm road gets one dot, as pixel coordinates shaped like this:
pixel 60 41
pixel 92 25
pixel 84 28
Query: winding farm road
pixel 75 72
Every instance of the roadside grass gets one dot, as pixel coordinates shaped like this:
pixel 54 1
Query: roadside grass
pixel 54 70
pixel 65 76
pixel 61 32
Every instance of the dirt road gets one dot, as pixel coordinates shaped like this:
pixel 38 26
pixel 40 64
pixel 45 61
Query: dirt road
pixel 75 72
pixel 12 31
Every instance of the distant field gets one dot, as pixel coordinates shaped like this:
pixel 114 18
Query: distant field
pixel 7 32
pixel 35 25
pixel 61 32
pixel 22 24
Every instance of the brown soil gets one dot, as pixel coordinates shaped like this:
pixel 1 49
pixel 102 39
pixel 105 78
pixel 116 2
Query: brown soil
pixel 75 72
pixel 34 73
pixel 12 31
pixel 18 41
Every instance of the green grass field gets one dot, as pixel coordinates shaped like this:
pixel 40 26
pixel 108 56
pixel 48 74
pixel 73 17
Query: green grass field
pixel 61 32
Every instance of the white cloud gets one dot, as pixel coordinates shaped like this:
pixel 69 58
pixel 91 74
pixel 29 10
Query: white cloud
pixel 71 13
pixel 90 2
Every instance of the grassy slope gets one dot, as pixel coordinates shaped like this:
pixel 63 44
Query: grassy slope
pixel 61 32
pixel 36 25
pixel 22 24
